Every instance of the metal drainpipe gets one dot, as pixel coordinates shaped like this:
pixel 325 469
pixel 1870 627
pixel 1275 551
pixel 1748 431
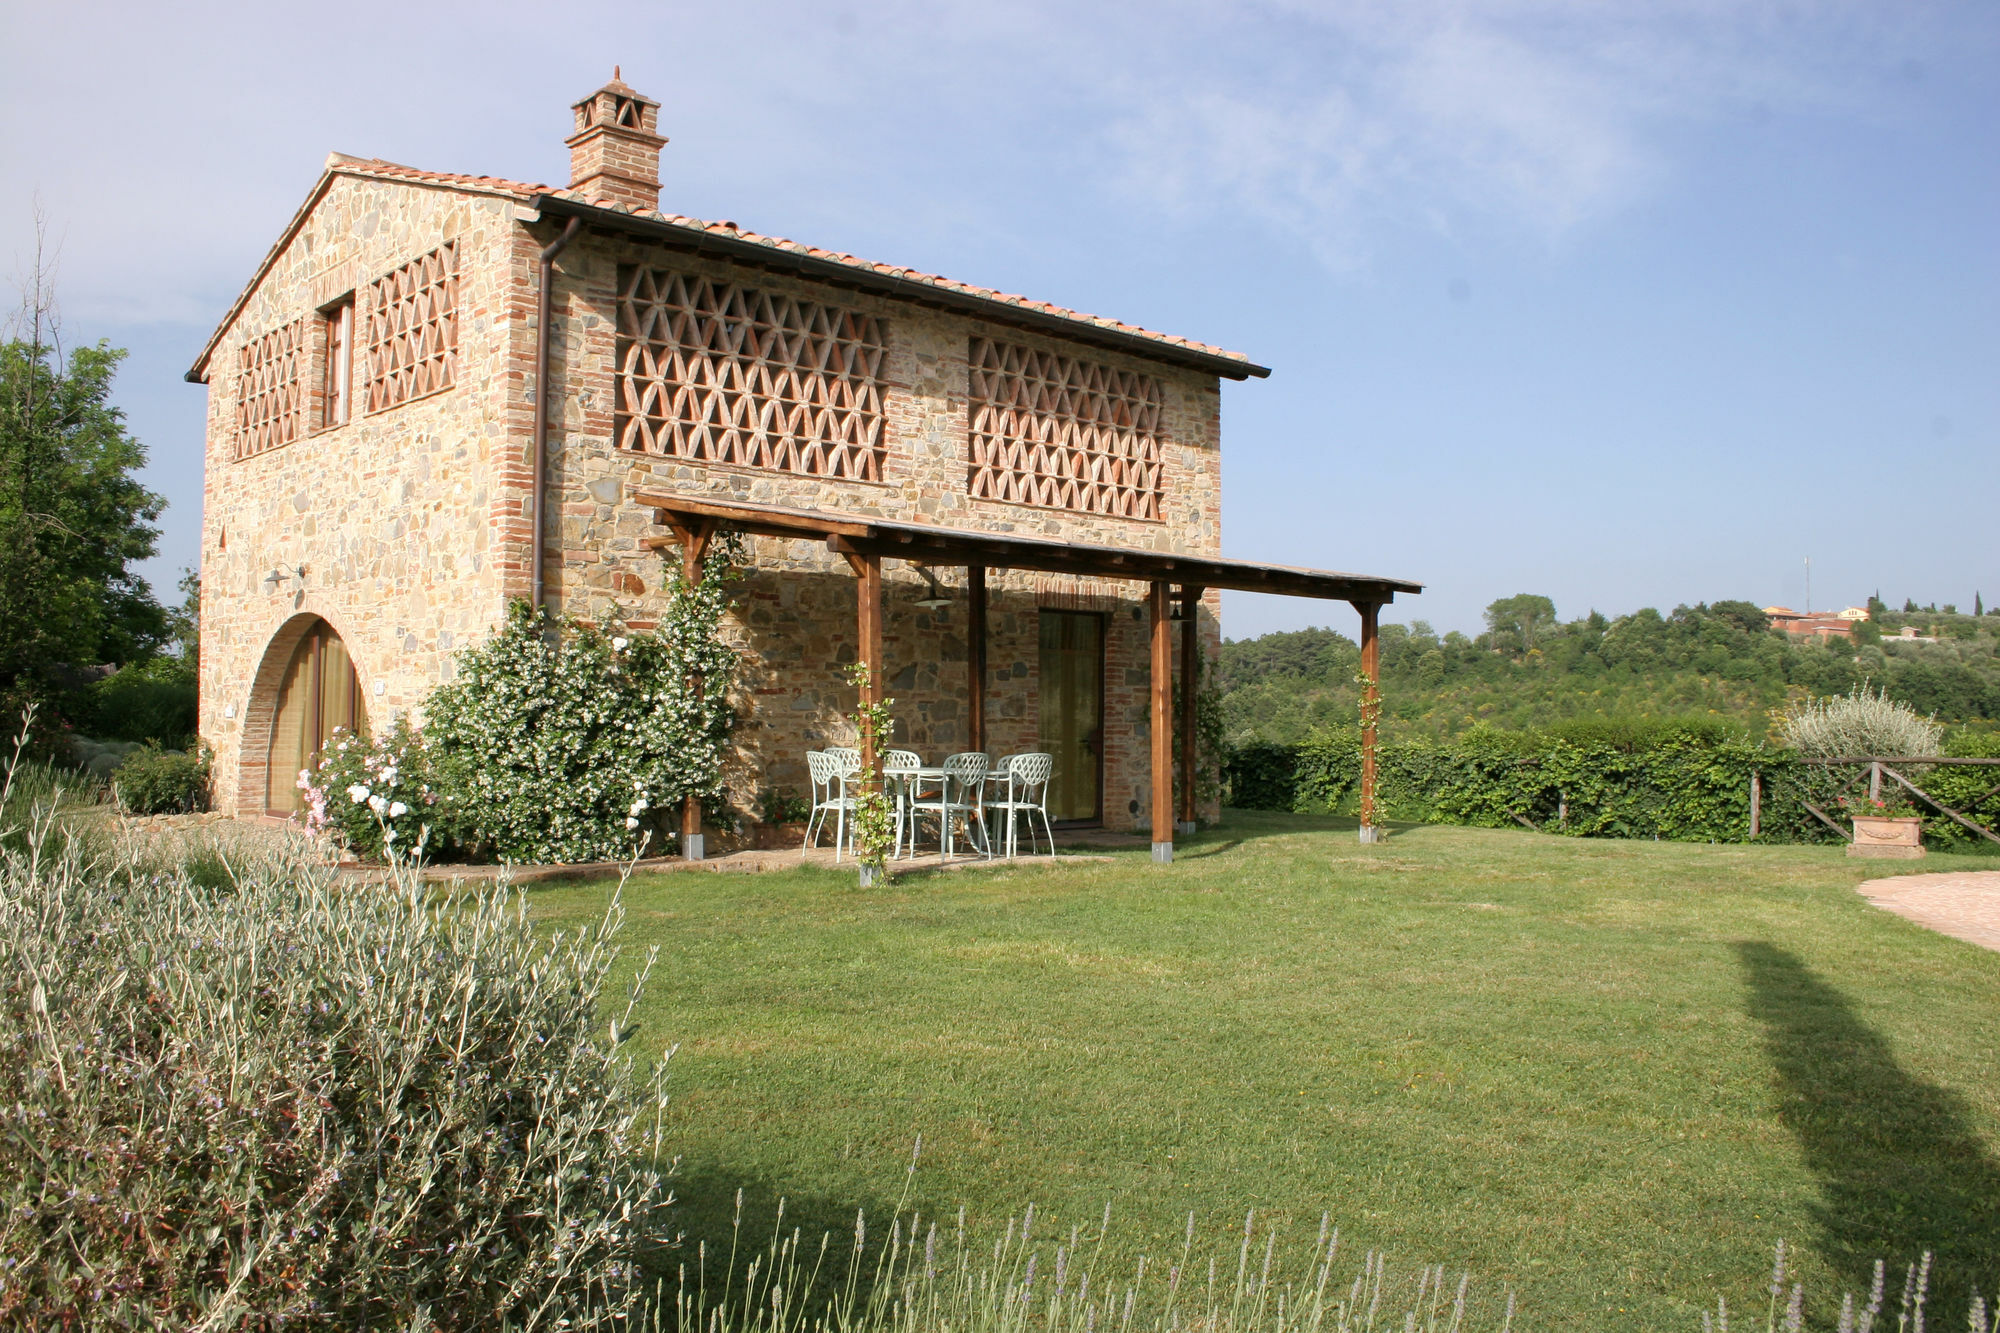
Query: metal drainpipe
pixel 543 305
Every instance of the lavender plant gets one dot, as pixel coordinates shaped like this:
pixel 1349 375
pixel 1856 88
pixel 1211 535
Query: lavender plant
pixel 1785 1303
pixel 922 1274
pixel 298 1105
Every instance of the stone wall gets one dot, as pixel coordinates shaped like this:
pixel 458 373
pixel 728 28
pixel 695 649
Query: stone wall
pixel 401 519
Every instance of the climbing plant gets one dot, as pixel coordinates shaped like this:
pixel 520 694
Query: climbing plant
pixel 874 815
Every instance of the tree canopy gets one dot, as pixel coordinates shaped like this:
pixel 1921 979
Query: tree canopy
pixel 73 518
pixel 1716 661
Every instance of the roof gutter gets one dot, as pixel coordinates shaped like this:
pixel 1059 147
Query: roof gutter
pixel 543 306
pixel 909 289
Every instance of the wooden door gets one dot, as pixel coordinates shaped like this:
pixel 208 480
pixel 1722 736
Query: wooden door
pixel 1072 703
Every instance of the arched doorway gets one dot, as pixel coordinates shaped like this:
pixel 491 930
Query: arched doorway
pixel 318 695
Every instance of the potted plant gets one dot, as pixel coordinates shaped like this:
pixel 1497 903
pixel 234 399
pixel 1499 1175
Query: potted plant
pixel 1890 828
pixel 782 815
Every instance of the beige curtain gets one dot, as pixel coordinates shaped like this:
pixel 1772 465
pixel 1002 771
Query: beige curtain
pixel 319 695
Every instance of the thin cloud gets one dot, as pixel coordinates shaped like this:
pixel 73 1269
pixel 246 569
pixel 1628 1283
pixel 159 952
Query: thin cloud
pixel 1541 116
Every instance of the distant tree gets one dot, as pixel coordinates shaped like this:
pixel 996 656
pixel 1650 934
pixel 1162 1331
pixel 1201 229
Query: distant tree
pixel 1978 605
pixel 1744 615
pixel 1523 617
pixel 1909 606
pixel 1877 608
pixel 183 622
pixel 73 518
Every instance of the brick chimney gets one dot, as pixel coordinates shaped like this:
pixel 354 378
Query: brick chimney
pixel 615 152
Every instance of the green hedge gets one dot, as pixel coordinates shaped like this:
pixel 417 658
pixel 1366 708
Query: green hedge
pixel 1971 789
pixel 1687 784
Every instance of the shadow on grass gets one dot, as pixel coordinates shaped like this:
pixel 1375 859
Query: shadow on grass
pixel 707 1205
pixel 1901 1168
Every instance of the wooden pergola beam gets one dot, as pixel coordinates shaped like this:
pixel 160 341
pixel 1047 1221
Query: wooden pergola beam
pixel 927 544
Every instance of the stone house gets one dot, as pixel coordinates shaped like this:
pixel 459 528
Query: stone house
pixel 441 392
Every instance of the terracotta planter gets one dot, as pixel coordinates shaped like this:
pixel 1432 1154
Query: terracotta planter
pixel 1889 836
pixel 780 837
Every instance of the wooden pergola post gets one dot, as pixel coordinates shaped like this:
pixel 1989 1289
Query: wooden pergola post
pixel 1371 671
pixel 1190 685
pixel 695 537
pixel 975 657
pixel 1162 726
pixel 868 626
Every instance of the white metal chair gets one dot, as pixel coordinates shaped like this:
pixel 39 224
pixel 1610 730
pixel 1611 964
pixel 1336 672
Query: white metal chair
pixel 901 770
pixel 830 771
pixel 960 793
pixel 1020 787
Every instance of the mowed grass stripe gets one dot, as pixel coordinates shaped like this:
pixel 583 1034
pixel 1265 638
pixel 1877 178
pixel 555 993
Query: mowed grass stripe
pixel 1608 1074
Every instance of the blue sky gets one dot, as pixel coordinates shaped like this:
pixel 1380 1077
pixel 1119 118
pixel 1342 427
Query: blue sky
pixel 1628 304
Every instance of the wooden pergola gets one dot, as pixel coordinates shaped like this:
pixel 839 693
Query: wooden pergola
pixel 865 542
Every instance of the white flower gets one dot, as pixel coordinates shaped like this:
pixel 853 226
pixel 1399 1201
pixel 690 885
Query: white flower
pixel 389 775
pixel 358 793
pixel 638 805
pixel 618 645
pixel 389 835
pixel 397 809
pixel 377 804
pixel 637 785
pixel 631 823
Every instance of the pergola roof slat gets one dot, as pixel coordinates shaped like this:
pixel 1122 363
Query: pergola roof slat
pixel 928 544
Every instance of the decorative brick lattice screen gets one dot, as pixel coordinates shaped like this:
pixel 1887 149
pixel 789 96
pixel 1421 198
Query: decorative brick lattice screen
pixel 723 373
pixel 412 339
pixel 271 389
pixel 1063 433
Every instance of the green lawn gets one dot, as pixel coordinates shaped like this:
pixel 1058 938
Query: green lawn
pixel 1606 1074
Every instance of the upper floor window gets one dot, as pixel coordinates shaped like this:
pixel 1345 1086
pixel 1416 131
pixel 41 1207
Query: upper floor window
pixel 411 337
pixel 1061 432
pixel 716 372
pixel 271 389
pixel 336 376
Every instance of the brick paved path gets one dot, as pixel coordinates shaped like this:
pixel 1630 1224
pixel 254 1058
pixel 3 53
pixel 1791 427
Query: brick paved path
pixel 1964 904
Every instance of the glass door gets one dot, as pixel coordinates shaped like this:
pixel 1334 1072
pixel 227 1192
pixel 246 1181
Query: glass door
pixel 1072 700
pixel 320 695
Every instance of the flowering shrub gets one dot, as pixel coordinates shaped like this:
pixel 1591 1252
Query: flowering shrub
pixel 561 741
pixel 375 795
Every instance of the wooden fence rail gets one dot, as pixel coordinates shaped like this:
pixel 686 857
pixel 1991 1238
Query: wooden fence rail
pixel 1880 766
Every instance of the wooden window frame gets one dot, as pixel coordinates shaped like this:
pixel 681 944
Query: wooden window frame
pixel 334 353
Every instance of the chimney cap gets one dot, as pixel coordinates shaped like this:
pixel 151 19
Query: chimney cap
pixel 615 149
